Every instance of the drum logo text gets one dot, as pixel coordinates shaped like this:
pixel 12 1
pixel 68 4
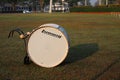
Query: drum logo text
pixel 51 34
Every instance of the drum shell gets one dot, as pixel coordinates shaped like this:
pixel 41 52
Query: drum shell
pixel 61 29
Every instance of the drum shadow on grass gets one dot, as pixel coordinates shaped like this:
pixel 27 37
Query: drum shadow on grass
pixel 80 52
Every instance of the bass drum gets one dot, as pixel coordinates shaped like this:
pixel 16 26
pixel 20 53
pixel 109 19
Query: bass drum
pixel 48 45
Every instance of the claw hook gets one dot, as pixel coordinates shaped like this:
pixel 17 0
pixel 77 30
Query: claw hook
pixel 20 32
pixel 15 30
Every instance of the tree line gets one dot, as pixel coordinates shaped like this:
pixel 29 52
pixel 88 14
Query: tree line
pixel 46 2
pixel 41 2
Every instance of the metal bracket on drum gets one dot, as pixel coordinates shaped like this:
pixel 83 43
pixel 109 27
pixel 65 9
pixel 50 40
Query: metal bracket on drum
pixel 23 36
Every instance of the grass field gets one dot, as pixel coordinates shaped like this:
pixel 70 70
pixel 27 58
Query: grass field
pixel 94 53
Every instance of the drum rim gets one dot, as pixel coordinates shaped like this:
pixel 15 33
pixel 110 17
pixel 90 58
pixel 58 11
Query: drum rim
pixel 61 59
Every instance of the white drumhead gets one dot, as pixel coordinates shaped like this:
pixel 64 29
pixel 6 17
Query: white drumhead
pixel 47 46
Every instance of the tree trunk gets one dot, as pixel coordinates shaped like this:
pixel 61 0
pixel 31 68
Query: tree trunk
pixel 50 9
pixel 34 6
pixel 106 2
pixel 14 6
pixel 85 2
pixel 100 2
pixel 41 5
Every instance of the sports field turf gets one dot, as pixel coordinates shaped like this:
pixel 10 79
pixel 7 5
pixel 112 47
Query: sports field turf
pixel 94 53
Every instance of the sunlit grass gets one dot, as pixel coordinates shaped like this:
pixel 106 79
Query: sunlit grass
pixel 94 52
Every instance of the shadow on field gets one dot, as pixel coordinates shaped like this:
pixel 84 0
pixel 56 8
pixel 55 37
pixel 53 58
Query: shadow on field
pixel 80 52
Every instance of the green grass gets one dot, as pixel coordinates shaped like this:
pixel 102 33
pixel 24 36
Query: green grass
pixel 94 53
